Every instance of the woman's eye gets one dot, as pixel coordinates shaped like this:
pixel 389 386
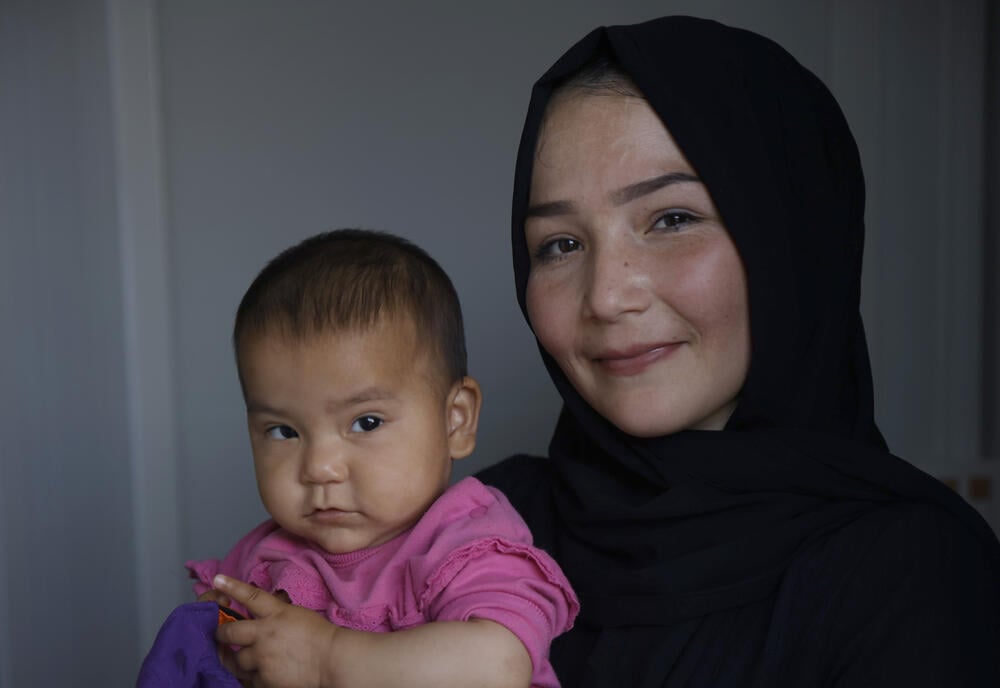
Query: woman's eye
pixel 556 248
pixel 281 432
pixel 366 424
pixel 675 219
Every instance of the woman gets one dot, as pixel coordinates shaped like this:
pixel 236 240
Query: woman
pixel 687 237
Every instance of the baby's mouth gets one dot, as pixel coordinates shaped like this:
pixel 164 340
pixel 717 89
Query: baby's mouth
pixel 328 515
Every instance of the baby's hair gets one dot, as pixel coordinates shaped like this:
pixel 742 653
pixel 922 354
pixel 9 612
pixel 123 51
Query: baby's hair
pixel 354 279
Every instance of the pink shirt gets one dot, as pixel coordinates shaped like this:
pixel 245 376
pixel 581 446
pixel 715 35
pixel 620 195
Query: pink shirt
pixel 469 556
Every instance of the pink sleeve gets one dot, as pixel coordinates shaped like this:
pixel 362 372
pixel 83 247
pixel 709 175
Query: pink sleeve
pixel 513 584
pixel 202 572
pixel 237 563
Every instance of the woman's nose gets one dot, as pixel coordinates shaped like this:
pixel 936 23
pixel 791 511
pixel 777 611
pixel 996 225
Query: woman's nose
pixel 617 284
pixel 324 463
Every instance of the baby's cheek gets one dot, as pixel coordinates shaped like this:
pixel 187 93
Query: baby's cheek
pixel 274 495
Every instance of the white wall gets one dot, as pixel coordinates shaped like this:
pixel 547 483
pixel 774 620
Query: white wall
pixel 154 155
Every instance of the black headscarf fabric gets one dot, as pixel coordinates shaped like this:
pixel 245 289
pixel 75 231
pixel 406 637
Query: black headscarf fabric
pixel 656 534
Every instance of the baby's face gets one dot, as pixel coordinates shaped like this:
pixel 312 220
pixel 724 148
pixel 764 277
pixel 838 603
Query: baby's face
pixel 350 433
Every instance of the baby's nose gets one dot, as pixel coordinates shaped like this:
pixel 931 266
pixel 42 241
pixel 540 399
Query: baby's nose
pixel 324 464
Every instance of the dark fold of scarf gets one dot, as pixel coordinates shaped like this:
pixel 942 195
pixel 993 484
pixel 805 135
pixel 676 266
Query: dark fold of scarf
pixel 654 532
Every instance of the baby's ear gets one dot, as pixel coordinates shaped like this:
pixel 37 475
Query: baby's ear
pixel 464 402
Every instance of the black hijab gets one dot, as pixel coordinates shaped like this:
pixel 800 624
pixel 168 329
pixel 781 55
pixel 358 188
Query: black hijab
pixel 654 532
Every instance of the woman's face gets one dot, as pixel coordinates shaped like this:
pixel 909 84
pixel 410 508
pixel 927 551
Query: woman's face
pixel 635 288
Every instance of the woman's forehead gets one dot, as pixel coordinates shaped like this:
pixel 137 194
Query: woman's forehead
pixel 613 140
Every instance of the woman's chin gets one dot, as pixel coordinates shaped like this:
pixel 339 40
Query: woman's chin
pixel 643 423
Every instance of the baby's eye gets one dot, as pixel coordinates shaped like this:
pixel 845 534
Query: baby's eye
pixel 366 424
pixel 674 219
pixel 556 248
pixel 281 432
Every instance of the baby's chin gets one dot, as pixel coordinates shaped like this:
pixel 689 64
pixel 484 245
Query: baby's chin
pixel 348 542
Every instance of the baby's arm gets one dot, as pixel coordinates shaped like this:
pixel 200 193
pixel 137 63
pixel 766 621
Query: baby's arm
pixel 289 647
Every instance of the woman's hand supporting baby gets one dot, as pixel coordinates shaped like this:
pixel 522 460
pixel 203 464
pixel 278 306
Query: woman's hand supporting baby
pixel 285 646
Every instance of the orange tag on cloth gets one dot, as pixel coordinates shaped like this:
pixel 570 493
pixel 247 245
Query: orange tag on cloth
pixel 227 615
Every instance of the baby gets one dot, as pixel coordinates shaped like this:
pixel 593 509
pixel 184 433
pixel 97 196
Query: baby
pixel 351 356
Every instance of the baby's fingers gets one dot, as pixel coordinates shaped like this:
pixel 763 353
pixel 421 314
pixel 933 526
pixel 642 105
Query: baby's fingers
pixel 260 604
pixel 240 633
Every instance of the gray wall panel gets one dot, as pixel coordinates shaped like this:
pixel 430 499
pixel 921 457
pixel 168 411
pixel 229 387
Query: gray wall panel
pixel 64 474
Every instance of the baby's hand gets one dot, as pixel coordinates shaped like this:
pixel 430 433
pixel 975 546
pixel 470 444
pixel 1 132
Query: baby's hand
pixel 283 646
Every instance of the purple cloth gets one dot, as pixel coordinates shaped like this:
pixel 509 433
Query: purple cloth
pixel 184 653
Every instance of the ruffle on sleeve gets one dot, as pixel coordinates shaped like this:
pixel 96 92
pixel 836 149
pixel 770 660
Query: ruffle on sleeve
pixel 202 572
pixel 513 584
pixel 238 563
pixel 298 580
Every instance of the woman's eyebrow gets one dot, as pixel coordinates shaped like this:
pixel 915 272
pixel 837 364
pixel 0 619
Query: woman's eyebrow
pixel 639 189
pixel 550 209
pixel 618 197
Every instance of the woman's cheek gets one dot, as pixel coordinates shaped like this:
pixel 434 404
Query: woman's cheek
pixel 546 313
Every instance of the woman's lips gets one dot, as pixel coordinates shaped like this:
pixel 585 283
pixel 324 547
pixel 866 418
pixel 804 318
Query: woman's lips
pixel 634 360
